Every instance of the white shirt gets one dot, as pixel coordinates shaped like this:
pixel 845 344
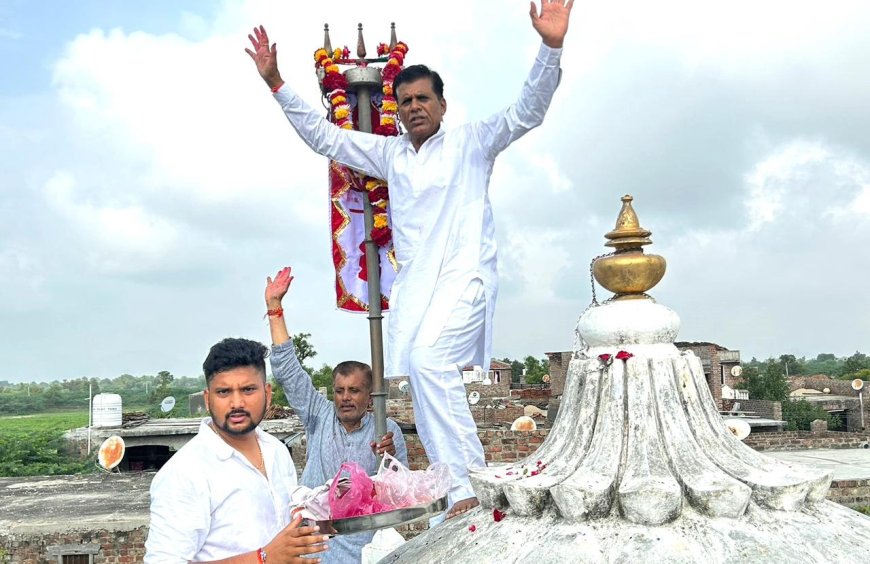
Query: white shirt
pixel 443 229
pixel 209 502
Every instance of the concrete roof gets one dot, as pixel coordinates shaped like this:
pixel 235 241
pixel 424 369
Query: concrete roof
pixel 57 504
pixel 846 463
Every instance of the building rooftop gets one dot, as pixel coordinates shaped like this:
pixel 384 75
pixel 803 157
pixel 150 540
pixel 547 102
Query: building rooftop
pixel 49 504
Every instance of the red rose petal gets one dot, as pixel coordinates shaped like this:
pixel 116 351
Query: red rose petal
pixel 498 515
pixel 472 528
pixel 604 357
pixel 623 355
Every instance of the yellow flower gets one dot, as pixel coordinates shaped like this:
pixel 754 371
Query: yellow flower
pixel 346 125
pixel 388 89
pixel 338 100
pixel 387 120
pixel 390 106
pixel 318 54
pixel 341 114
pixel 331 67
pixel 381 204
pixel 372 185
pixel 380 220
pixel 336 54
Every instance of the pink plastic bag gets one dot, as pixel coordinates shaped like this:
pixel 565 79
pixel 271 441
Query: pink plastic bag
pixel 361 497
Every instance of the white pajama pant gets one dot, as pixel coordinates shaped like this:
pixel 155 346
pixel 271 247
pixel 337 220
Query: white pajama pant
pixel 444 422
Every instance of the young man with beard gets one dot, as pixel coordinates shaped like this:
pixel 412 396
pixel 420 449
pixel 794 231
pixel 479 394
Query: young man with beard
pixel 337 432
pixel 226 495
pixel 443 298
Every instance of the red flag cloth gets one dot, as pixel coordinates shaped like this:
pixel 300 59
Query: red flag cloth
pixel 346 193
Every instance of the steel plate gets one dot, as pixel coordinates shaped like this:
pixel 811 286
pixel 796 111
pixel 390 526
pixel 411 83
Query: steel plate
pixel 383 520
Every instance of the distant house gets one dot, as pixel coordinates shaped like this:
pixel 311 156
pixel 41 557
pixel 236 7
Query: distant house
pixel 718 363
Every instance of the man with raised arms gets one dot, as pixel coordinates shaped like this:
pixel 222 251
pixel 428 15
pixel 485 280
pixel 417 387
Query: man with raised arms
pixel 443 297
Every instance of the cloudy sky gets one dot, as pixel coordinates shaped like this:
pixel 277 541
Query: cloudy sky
pixel 149 182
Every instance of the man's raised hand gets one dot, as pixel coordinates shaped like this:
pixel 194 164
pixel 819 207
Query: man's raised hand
pixel 265 57
pixel 277 288
pixel 552 23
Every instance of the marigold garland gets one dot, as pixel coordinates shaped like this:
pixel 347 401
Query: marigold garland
pixel 335 86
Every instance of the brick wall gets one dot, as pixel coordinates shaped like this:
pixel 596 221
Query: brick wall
pixel 800 440
pixel 115 547
pixel 531 395
pixel 850 492
pixel 558 370
pixel 499 445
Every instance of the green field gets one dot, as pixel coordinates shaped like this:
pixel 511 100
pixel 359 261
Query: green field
pixel 60 421
pixel 33 445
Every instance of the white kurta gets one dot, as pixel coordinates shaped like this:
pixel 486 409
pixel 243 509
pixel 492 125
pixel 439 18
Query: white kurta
pixel 443 229
pixel 208 502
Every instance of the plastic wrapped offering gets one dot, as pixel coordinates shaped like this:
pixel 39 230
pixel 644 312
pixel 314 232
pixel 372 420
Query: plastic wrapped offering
pixel 399 487
pixel 353 493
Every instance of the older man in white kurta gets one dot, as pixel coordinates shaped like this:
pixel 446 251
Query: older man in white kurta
pixel 443 298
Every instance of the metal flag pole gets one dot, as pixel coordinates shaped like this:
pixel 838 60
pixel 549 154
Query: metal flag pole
pixel 361 80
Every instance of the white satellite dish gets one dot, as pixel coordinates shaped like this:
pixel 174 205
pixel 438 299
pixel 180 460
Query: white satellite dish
pixel 738 427
pixel 736 371
pixel 167 404
pixel 524 423
pixel 474 397
pixel 546 378
pixel 857 384
pixel 111 452
pixel 404 387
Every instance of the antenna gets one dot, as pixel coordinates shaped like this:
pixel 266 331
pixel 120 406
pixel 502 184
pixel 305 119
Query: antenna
pixel 857 384
pixel 545 378
pixel 738 428
pixel 404 387
pixel 167 404
pixel 474 397
pixel 111 453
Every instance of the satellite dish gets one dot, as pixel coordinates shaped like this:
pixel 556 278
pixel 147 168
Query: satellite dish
pixel 111 452
pixel 826 391
pixel 736 371
pixel 474 397
pixel 546 378
pixel 167 404
pixel 857 384
pixel 524 423
pixel 404 387
pixel 738 427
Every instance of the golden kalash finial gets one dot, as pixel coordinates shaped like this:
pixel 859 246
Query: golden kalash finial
pixel 628 272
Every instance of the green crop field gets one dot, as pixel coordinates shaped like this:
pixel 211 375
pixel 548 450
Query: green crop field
pixel 33 445
pixel 58 421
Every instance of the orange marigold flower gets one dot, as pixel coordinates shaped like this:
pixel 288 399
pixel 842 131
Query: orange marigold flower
pixel 331 67
pixel 341 114
pixel 380 220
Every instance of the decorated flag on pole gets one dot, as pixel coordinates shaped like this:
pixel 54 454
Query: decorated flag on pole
pixel 347 188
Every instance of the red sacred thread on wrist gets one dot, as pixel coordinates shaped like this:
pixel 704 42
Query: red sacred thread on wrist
pixel 276 88
pixel 261 556
pixel 277 312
